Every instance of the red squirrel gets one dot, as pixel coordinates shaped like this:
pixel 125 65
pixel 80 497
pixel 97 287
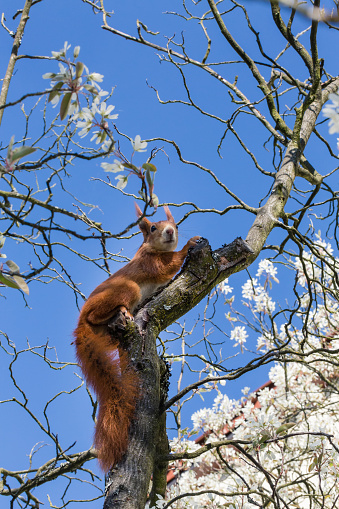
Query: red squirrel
pixel 103 361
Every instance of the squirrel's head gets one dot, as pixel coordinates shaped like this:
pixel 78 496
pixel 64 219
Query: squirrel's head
pixel 160 236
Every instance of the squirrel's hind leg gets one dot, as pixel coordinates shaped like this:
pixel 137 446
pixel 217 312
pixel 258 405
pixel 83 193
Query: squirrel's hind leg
pixel 117 298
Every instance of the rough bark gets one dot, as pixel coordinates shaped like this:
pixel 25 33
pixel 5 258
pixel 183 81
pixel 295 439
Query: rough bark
pixel 14 54
pixel 127 484
pixel 268 216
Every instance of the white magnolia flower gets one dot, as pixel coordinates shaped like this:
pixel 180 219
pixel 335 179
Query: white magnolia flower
pixel 48 75
pixel 85 121
pixel 73 108
pixel 255 292
pixel 263 302
pixel 239 334
pixel 63 70
pixel 122 181
pixel 161 502
pixel 331 111
pixel 62 52
pixel 99 136
pixel 96 77
pixel 88 113
pixel 107 145
pixel 199 419
pixel 55 100
pixel 105 111
pixel 266 266
pixel 85 129
pixel 138 145
pixel 114 167
pixel 265 342
pixel 224 287
pixel 101 93
pixel 248 289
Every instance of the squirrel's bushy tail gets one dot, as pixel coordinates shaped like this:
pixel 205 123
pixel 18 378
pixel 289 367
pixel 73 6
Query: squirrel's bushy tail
pixel 107 370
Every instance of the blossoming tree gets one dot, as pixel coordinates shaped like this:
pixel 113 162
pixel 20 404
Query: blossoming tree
pixel 65 162
pixel 280 446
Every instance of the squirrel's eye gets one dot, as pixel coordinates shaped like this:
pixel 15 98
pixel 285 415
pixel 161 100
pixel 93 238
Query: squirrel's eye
pixel 153 228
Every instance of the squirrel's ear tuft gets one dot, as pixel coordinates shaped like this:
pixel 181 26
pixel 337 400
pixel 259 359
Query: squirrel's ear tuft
pixel 168 214
pixel 137 209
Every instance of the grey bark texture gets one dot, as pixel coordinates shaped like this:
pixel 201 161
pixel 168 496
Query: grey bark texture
pixel 127 484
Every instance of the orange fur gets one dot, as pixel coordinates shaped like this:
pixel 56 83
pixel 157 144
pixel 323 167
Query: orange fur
pixel 104 363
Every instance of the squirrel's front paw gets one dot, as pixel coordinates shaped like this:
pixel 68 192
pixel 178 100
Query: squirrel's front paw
pixel 126 313
pixel 192 242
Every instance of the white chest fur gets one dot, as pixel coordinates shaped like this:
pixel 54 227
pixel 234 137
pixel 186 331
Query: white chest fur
pixel 148 289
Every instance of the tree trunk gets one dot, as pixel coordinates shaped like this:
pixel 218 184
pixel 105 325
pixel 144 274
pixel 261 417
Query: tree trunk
pixel 128 482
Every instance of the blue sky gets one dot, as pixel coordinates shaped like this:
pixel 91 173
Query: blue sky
pixel 50 312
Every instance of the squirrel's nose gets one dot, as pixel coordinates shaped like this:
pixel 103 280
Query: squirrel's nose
pixel 169 232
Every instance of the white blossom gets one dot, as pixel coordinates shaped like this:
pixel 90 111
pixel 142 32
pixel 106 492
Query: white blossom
pixel 240 335
pixel 224 287
pixel 105 111
pixel 62 52
pixel 266 266
pixel 122 181
pixel 262 302
pixel 331 111
pixel 113 167
pixel 265 342
pixel 96 77
pixel 48 75
pixel 138 145
pixel 285 427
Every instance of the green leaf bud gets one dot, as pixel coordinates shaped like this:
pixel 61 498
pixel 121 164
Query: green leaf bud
pixel 150 178
pixel 285 427
pixel 65 104
pixel 155 200
pixel 79 69
pixel 55 91
pixel 149 167
pixel 22 285
pixel 13 267
pixel 20 152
